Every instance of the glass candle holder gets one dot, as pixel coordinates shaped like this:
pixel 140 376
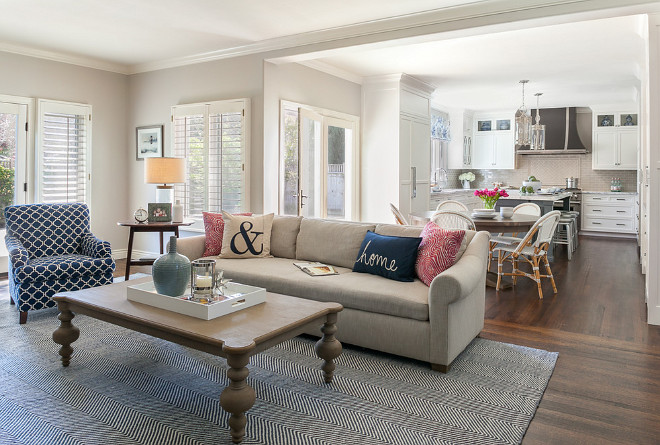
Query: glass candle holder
pixel 202 278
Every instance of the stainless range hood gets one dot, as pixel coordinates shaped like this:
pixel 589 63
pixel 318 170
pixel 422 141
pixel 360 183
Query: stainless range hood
pixel 561 136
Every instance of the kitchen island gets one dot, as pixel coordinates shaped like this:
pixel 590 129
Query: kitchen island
pixel 546 202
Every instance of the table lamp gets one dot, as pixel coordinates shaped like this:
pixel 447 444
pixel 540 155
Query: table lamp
pixel 164 172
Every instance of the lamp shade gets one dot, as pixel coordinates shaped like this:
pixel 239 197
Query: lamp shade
pixel 164 170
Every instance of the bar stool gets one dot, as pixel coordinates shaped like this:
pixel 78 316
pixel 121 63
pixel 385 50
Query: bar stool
pixel 565 234
pixel 576 228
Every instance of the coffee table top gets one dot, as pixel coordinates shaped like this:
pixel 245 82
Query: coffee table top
pixel 241 330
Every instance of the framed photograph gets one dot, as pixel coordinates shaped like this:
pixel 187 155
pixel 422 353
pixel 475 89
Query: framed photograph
pixel 159 211
pixel 149 141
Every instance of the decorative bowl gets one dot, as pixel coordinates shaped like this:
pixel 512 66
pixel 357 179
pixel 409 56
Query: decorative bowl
pixel 535 184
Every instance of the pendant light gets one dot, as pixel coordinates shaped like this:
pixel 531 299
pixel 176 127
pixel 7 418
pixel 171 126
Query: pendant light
pixel 523 121
pixel 538 130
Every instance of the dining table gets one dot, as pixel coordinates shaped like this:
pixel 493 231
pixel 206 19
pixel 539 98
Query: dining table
pixel 497 224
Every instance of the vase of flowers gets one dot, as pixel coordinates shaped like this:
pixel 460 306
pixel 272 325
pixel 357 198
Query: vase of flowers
pixel 490 197
pixel 466 178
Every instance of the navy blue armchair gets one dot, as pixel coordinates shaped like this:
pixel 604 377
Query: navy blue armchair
pixel 51 250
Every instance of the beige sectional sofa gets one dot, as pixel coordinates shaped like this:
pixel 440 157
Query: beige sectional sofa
pixel 432 324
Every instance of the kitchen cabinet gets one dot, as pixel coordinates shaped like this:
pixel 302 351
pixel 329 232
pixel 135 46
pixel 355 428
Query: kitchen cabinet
pixel 609 212
pixel 460 147
pixel 396 146
pixel 615 141
pixel 493 142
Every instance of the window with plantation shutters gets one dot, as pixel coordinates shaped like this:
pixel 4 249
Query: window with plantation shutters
pixel 212 137
pixel 63 152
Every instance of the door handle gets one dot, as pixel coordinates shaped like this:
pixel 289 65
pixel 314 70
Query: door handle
pixel 413 170
pixel 302 203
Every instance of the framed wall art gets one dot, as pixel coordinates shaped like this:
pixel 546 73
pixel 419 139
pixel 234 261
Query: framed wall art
pixel 149 141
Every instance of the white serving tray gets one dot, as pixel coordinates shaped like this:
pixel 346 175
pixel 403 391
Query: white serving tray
pixel 241 296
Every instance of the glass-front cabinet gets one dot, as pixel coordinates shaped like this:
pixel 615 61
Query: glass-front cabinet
pixel 494 146
pixel 615 140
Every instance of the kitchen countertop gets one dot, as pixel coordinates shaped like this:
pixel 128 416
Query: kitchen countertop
pixel 584 192
pixel 515 194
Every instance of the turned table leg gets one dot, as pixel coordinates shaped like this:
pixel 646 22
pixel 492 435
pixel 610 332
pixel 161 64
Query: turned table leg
pixel 67 333
pixel 238 397
pixel 328 347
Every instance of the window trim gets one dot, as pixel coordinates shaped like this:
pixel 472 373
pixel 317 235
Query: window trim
pixel 220 106
pixel 47 105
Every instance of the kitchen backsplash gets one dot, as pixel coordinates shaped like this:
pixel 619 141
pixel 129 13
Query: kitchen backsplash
pixel 550 170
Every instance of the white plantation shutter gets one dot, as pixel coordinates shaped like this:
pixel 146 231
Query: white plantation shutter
pixel 213 139
pixel 64 152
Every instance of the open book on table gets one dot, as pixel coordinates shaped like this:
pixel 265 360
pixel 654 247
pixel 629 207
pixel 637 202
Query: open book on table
pixel 316 269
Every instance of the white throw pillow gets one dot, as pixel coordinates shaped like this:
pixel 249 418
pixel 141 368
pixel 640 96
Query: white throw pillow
pixel 246 236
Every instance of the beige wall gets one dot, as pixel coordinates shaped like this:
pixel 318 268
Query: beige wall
pixel 107 93
pixel 152 95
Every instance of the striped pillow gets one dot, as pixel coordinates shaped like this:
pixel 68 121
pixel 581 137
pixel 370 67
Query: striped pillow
pixel 437 251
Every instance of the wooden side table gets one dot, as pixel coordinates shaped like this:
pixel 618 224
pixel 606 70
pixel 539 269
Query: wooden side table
pixel 147 227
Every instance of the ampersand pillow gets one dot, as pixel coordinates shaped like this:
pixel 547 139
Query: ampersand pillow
pixel 246 236
pixel 214 227
pixel 437 251
pixel 392 257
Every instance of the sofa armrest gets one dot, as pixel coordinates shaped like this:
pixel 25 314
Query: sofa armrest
pixel 457 301
pixel 18 255
pixel 192 247
pixel 93 247
pixel 464 276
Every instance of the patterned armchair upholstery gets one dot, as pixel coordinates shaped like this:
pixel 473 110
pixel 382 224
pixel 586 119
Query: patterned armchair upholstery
pixel 51 250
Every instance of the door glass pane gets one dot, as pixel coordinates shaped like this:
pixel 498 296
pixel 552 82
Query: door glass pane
pixel 8 141
pixel 310 166
pixel 338 139
pixel 289 163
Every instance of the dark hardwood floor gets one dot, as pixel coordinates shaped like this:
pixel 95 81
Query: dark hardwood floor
pixel 606 386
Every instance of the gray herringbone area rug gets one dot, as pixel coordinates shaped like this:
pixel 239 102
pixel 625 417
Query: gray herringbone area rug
pixel 123 387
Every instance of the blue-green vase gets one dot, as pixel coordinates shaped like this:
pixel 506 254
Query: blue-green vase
pixel 171 272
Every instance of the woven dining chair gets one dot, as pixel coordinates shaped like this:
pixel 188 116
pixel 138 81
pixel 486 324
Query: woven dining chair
pixel 526 208
pixel 451 219
pixel 398 216
pixel 532 249
pixel 450 204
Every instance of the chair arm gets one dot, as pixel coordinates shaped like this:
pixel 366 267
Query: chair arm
pixel 18 255
pixel 93 247
pixel 192 246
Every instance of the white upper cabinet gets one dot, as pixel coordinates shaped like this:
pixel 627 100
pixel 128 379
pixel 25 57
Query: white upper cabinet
pixel 615 140
pixel 461 145
pixel 493 142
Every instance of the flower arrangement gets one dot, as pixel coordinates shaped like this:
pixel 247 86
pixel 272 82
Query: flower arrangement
pixel 490 197
pixel 467 176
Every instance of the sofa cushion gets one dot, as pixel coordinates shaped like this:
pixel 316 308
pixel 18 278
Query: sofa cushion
pixel 437 251
pixel 330 242
pixel 391 257
pixel 246 236
pixel 353 290
pixel 214 228
pixel 283 236
pixel 415 231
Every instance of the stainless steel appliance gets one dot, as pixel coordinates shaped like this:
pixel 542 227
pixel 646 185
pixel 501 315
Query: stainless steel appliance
pixel 571 183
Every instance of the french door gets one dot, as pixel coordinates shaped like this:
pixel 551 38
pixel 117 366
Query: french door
pixel 13 164
pixel 319 176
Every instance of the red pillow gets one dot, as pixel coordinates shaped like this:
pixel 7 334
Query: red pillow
pixel 437 251
pixel 214 226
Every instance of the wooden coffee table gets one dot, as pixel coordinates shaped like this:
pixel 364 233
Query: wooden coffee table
pixel 235 336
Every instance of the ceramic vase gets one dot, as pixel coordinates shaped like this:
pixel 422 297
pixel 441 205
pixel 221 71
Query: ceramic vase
pixel 171 272
pixel 177 212
pixel 466 184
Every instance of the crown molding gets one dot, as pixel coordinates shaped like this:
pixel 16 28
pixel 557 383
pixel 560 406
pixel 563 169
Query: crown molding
pixel 333 71
pixel 475 14
pixel 54 56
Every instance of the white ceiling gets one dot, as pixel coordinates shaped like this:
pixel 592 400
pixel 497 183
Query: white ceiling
pixel 576 64
pixel 130 32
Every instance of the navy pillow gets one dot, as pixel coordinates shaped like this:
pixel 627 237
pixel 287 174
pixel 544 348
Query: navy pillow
pixel 392 257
